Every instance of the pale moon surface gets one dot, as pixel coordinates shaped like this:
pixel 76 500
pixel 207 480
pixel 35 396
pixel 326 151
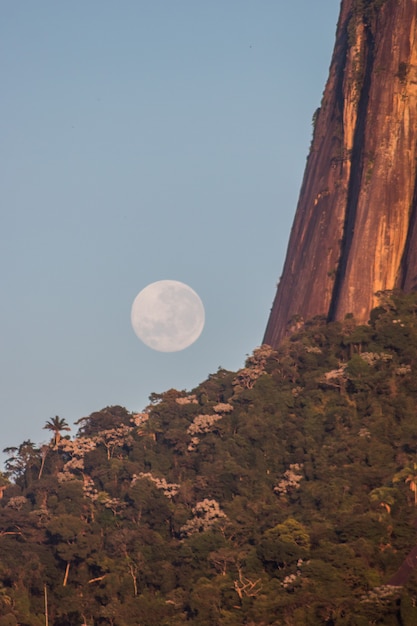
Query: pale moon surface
pixel 168 316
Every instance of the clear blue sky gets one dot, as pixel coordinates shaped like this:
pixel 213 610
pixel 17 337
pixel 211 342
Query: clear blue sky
pixel 143 140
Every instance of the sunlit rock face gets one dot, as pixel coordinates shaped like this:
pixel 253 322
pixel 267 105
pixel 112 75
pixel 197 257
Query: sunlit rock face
pixel 355 230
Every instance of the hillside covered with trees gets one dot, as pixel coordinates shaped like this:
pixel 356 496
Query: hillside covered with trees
pixel 284 493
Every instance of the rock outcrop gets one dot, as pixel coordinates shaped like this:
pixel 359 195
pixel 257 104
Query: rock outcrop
pixel 355 228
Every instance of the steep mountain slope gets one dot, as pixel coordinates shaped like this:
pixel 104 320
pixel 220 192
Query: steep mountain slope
pixel 282 494
pixel 354 232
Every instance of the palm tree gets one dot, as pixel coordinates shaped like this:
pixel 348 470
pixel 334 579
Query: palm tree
pixel 409 475
pixel 385 496
pixel 56 425
pixel 412 481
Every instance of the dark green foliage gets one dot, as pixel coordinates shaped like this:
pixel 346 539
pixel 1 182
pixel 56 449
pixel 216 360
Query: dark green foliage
pixel 403 69
pixel 284 493
pixel 365 11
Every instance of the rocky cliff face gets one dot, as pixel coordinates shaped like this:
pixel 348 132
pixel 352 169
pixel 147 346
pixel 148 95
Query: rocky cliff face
pixel 355 228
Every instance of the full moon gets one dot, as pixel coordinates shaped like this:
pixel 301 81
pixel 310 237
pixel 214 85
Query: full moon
pixel 167 316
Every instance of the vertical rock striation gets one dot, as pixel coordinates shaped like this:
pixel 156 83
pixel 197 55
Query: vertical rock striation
pixel 355 228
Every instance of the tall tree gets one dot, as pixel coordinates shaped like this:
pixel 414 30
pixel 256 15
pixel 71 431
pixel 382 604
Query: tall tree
pixel 56 425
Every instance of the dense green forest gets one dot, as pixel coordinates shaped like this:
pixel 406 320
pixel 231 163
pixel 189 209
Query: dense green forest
pixel 284 493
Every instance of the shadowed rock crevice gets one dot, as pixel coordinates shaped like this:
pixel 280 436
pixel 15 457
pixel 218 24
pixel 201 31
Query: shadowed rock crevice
pixel 356 177
pixel 408 279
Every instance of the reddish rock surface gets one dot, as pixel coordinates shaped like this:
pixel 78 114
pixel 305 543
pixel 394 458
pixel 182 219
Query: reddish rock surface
pixel 355 228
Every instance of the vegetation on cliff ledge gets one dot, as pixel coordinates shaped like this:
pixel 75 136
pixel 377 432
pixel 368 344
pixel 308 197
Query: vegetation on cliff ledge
pixel 284 493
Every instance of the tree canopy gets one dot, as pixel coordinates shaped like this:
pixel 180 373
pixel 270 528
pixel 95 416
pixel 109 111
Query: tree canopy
pixel 284 493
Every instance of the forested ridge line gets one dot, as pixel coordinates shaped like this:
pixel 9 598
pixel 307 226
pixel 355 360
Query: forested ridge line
pixel 283 493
